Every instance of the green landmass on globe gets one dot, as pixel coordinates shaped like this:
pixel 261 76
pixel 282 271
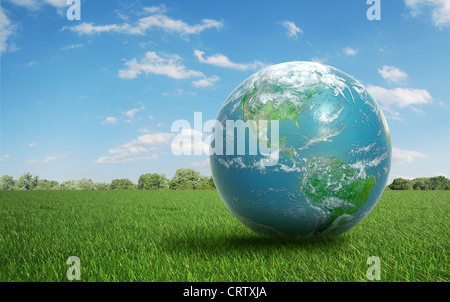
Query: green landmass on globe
pixel 335 188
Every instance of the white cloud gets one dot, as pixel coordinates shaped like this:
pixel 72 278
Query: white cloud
pixel 440 174
pixel 129 152
pixel 29 4
pixel 72 46
pixel 393 74
pixel 400 156
pixel 222 61
pixel 201 164
pixel 165 23
pixel 165 64
pixel 35 5
pixel 90 28
pixel 189 141
pixel 157 20
pixel 292 29
pixel 168 65
pixel 30 64
pixel 350 51
pixel 400 176
pixel 51 158
pixel 417 110
pixel 438 9
pixel 206 82
pixel 155 9
pixel 130 113
pixel 57 3
pixel 4 157
pixel 110 120
pixel 117 160
pixel 179 92
pixel 32 144
pixel 319 60
pixel 7 29
pixel 400 97
pixel 47 160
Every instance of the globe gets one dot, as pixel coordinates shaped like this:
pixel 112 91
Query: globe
pixel 330 151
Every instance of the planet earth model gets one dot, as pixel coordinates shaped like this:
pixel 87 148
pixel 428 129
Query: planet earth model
pixel 331 158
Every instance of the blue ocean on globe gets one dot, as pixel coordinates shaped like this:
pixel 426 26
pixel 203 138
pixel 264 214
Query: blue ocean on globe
pixel 333 152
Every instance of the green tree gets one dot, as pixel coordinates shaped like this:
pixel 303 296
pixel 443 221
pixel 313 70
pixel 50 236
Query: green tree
pixel 101 186
pixel 153 182
pixel 26 181
pixel 422 183
pixel 446 185
pixel 149 181
pixel 186 179
pixel 7 183
pixel 122 184
pixel 439 183
pixel 44 184
pixel 163 182
pixel 206 185
pixel 85 184
pixel 401 184
pixel 69 185
pixel 114 184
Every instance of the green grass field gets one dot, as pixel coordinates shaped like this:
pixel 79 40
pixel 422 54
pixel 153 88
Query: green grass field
pixel 191 236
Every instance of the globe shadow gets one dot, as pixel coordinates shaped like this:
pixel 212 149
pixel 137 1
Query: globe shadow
pixel 222 243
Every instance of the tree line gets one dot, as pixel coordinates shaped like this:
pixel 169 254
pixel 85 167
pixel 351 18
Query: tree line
pixel 423 183
pixel 184 179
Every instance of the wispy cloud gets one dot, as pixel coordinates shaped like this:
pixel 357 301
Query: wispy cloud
pixel 156 20
pixel 31 64
pixel 168 65
pixel 319 60
pixel 5 157
pixel 155 9
pixel 350 51
pixel 393 74
pixel 110 120
pixel 130 113
pixel 206 82
pixel 7 29
pixel 51 158
pixel 292 29
pixel 179 92
pixel 400 156
pixel 439 10
pixel 201 164
pixel 37 4
pixel 132 150
pixel 400 97
pixel 72 46
pixel 47 160
pixel 223 61
pixel 32 144
pixel 190 141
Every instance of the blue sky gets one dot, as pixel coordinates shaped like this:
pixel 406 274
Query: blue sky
pixel 96 97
